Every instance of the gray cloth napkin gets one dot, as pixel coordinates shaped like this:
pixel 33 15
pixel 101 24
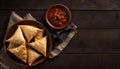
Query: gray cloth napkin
pixel 14 18
pixel 61 39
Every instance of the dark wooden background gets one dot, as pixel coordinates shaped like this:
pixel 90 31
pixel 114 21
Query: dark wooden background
pixel 97 43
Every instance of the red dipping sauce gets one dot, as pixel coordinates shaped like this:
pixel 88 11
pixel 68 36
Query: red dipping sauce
pixel 58 16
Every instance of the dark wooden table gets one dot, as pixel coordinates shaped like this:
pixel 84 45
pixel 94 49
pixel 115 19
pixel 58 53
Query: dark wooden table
pixel 97 43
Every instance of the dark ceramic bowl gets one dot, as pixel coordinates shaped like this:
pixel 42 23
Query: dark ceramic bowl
pixel 10 32
pixel 52 18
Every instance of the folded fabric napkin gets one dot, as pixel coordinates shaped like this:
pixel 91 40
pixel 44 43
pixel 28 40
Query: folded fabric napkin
pixel 62 36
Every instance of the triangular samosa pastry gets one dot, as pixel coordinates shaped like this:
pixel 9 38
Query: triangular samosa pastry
pixel 40 45
pixel 17 38
pixel 32 56
pixel 39 35
pixel 20 52
pixel 29 31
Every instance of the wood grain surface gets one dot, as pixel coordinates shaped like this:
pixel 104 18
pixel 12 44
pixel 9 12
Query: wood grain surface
pixel 97 43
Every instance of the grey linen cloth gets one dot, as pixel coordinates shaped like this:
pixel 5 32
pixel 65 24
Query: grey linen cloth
pixel 57 48
pixel 61 38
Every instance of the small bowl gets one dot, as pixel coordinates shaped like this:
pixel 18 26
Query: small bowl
pixel 58 16
pixel 10 32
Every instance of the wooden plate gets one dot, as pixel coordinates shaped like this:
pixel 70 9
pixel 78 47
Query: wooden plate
pixel 12 29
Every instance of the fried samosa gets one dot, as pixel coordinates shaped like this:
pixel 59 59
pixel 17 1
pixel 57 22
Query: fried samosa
pixel 29 31
pixel 32 56
pixel 16 39
pixel 20 52
pixel 40 45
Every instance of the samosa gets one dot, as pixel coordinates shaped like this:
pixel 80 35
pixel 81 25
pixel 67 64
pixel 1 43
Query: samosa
pixel 29 31
pixel 20 52
pixel 16 39
pixel 40 45
pixel 32 56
